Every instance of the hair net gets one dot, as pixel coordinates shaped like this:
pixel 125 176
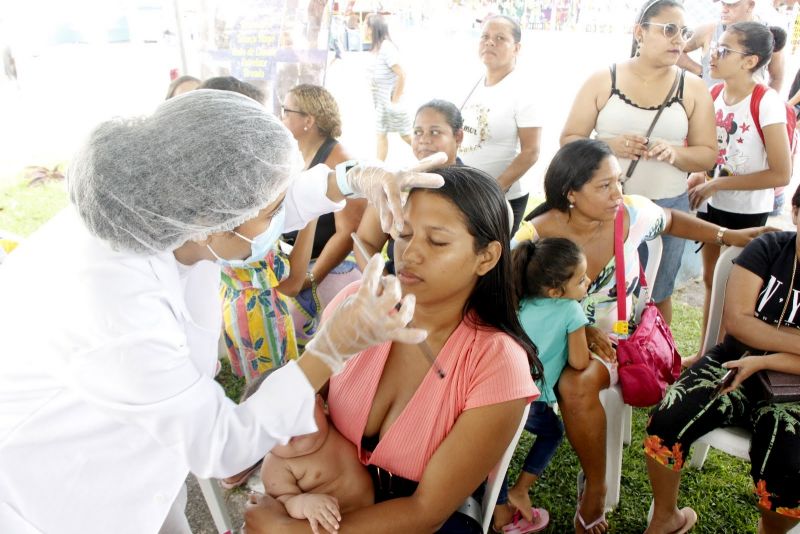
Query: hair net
pixel 204 162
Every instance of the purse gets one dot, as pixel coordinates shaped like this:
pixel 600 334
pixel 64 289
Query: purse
pixel 632 165
pixel 648 359
pixel 777 386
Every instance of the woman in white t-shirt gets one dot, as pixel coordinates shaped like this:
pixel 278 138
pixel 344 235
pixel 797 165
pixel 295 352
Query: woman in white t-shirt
pixel 740 188
pixel 502 125
pixel 388 82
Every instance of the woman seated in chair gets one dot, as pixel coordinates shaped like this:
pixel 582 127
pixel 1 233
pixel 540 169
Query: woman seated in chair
pixel 429 439
pixel 583 194
pixel 761 319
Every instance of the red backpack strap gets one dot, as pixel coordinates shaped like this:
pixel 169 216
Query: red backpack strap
pixel 621 326
pixel 755 106
pixel 716 90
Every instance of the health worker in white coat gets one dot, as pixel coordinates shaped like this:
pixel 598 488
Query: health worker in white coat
pixel 110 316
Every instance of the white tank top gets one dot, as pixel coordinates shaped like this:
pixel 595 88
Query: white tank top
pixel 652 179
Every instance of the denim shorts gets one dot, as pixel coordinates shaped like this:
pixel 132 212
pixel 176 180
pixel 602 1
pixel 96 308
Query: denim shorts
pixel 671 252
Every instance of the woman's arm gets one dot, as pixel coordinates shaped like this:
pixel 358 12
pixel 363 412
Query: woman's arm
pixel 777 174
pixel 579 353
pixel 741 299
pixel 687 226
pixel 583 114
pixel 298 261
pixel 371 234
pixel 749 365
pixel 529 140
pixel 399 83
pixel 699 38
pixel 474 445
pixel 700 151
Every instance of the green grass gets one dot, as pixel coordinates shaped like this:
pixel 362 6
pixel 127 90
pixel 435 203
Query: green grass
pixel 721 492
pixel 23 209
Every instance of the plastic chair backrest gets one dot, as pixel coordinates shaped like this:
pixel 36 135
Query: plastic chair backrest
pixel 720 280
pixel 495 478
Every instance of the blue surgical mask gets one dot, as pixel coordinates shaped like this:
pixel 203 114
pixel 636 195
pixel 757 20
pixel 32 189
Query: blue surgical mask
pixel 259 245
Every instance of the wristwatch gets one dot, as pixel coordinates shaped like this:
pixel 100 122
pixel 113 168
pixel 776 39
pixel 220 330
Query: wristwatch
pixel 720 235
pixel 341 173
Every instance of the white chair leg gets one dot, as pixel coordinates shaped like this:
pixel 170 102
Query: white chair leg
pixel 611 399
pixel 626 424
pixel 215 501
pixel 699 453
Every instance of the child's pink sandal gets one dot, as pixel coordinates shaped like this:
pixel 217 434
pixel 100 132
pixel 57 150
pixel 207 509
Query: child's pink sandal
pixel 520 525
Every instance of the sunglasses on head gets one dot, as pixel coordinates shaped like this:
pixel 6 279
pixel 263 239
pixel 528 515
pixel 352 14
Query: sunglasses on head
pixel 722 51
pixel 671 30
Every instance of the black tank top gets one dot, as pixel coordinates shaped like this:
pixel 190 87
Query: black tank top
pixel 326 224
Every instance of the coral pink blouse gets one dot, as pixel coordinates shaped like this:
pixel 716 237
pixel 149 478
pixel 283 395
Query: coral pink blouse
pixel 482 367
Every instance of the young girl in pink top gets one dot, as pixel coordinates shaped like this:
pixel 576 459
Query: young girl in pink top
pixel 430 441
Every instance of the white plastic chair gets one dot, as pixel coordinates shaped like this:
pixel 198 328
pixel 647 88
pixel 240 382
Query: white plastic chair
pixel 495 478
pixel 216 504
pixel 732 440
pixel 619 414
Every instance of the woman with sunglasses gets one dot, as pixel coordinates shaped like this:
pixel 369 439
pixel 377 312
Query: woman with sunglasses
pixel 619 104
pixel 739 189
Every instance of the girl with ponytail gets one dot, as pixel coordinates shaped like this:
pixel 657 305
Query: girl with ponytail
pixel 549 280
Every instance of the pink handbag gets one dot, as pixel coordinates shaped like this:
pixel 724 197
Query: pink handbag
pixel 648 360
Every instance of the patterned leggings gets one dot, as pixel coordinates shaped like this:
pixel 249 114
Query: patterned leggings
pixel 689 411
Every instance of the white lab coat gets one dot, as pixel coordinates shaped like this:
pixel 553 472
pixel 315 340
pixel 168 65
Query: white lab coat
pixel 107 397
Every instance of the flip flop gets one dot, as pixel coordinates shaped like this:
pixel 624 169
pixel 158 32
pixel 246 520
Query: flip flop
pixel 520 525
pixel 237 480
pixel 578 518
pixel 691 519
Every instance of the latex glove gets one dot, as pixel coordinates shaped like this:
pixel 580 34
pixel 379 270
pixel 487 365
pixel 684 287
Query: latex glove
pixel 366 318
pixel 382 186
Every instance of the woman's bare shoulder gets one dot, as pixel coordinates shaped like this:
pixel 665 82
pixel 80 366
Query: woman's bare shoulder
pixel 338 155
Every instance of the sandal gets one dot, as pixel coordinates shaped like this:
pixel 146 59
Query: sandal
pixel 237 480
pixel 520 525
pixel 578 519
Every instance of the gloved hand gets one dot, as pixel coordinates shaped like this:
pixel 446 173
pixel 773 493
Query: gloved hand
pixel 366 318
pixel 382 186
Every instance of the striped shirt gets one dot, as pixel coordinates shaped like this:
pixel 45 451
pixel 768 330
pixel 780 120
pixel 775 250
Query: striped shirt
pixel 482 367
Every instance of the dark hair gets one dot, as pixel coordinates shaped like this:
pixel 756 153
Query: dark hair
pixel 545 264
pixel 759 40
pixel 651 9
pixel 177 82
pixel 569 170
pixel 796 198
pixel 379 30
pixel 449 110
pixel 229 83
pixel 483 205
pixel 516 31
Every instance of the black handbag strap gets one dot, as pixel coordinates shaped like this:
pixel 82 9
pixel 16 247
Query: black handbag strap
pixel 635 162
